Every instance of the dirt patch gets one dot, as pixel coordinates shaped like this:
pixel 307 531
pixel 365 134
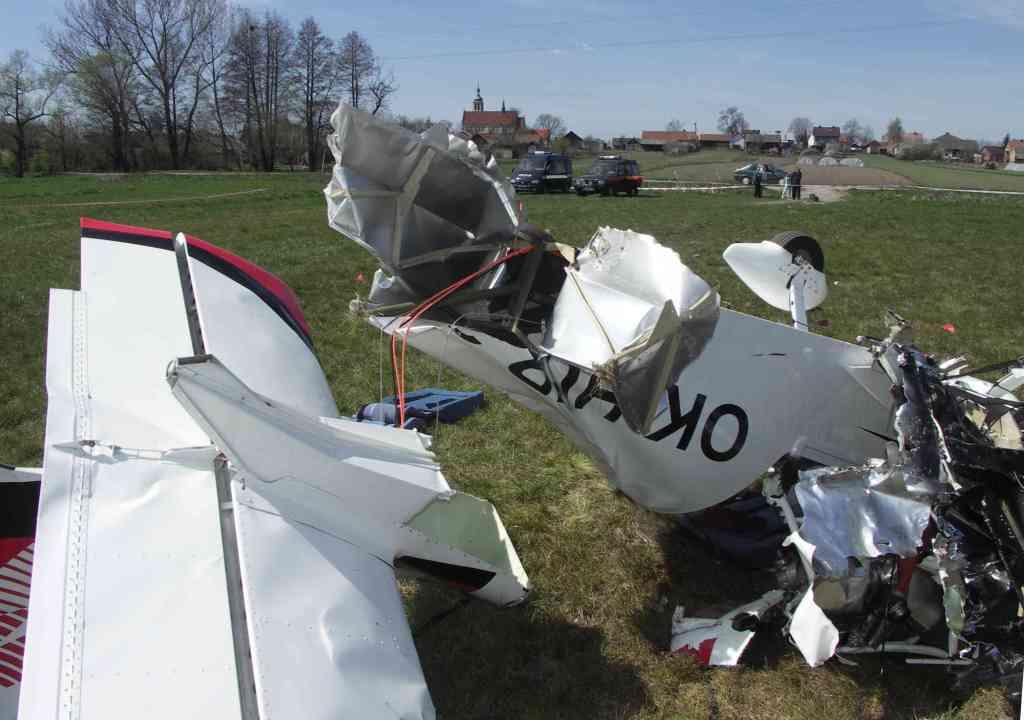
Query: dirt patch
pixel 840 175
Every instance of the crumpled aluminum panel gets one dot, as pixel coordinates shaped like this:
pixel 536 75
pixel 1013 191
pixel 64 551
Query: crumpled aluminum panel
pixel 861 512
pixel 414 199
pixel 633 312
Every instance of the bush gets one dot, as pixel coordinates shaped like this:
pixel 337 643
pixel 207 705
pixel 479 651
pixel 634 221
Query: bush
pixel 40 164
pixel 7 162
pixel 920 152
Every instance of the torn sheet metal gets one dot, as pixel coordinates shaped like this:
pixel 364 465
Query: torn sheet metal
pixel 721 641
pixel 860 512
pixel 635 315
pixel 809 628
pixel 416 201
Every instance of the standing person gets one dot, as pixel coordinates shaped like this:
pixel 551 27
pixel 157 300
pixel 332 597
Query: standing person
pixel 798 179
pixel 758 180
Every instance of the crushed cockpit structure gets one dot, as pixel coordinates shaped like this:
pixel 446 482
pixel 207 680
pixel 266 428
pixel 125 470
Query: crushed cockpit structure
pixel 920 552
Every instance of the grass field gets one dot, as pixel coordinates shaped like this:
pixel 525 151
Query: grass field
pixel 591 642
pixel 947 175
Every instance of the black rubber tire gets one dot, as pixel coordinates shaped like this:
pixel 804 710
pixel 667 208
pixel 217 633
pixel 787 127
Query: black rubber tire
pixel 802 244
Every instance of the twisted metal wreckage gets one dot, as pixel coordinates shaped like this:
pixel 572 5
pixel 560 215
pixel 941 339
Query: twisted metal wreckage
pixel 905 527
pixel 200 496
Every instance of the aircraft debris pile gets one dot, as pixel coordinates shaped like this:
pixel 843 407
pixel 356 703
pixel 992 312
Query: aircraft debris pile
pixel 920 553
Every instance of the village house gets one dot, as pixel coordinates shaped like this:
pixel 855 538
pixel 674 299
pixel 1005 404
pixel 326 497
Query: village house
pixel 822 135
pixel 1015 151
pixel 955 149
pixel 714 140
pixel 625 144
pixel 755 141
pixel 501 132
pixel 993 154
pixel 656 140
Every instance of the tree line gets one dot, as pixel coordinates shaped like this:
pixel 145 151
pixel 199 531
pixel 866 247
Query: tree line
pixel 174 84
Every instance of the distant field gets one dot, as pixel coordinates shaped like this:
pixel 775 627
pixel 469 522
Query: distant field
pixel 936 174
pixel 591 642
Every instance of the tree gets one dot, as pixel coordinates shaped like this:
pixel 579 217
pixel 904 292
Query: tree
pixel 260 52
pixel 316 74
pixel 867 134
pixel 731 121
pixel 165 39
pixel 894 131
pixel 675 125
pixel 801 127
pixel 25 94
pixel 216 56
pixel 361 79
pixel 852 130
pixel 1006 140
pixel 552 123
pixel 101 76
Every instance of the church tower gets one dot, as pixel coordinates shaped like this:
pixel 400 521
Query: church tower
pixel 478 101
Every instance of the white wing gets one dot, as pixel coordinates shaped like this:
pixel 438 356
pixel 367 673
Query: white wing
pixel 171 583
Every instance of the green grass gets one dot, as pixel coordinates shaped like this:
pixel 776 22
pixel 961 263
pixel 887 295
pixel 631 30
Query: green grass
pixel 947 175
pixel 591 642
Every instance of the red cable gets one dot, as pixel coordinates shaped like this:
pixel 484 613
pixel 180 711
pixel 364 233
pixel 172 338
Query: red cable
pixel 422 308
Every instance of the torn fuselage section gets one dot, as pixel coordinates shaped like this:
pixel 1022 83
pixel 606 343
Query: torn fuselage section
pixel 920 553
pixel 432 211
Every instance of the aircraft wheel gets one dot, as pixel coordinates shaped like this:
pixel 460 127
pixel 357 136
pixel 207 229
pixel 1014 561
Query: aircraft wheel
pixel 802 245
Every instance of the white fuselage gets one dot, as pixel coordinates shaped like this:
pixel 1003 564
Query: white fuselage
pixel 757 389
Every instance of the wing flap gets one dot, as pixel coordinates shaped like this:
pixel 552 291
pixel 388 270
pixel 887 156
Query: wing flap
pixel 328 633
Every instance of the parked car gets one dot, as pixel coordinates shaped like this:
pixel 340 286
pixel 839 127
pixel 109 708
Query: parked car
pixel 543 171
pixel 610 175
pixel 745 175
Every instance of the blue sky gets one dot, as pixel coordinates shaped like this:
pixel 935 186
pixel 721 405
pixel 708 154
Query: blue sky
pixel 619 67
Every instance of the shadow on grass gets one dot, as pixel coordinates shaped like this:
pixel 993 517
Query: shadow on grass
pixel 486 662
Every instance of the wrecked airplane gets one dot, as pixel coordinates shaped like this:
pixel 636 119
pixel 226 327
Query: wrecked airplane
pixel 629 353
pixel 619 344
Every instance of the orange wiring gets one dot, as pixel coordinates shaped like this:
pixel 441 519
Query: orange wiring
pixel 437 297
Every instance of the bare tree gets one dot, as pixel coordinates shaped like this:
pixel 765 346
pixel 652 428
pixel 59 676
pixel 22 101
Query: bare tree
pixel 260 55
pixel 853 130
pixel 867 134
pixel 675 125
pixel 25 94
pixel 731 121
pixel 215 52
pixel 316 73
pixel 165 40
pixel 101 76
pixel 801 127
pixel 362 81
pixel 552 123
